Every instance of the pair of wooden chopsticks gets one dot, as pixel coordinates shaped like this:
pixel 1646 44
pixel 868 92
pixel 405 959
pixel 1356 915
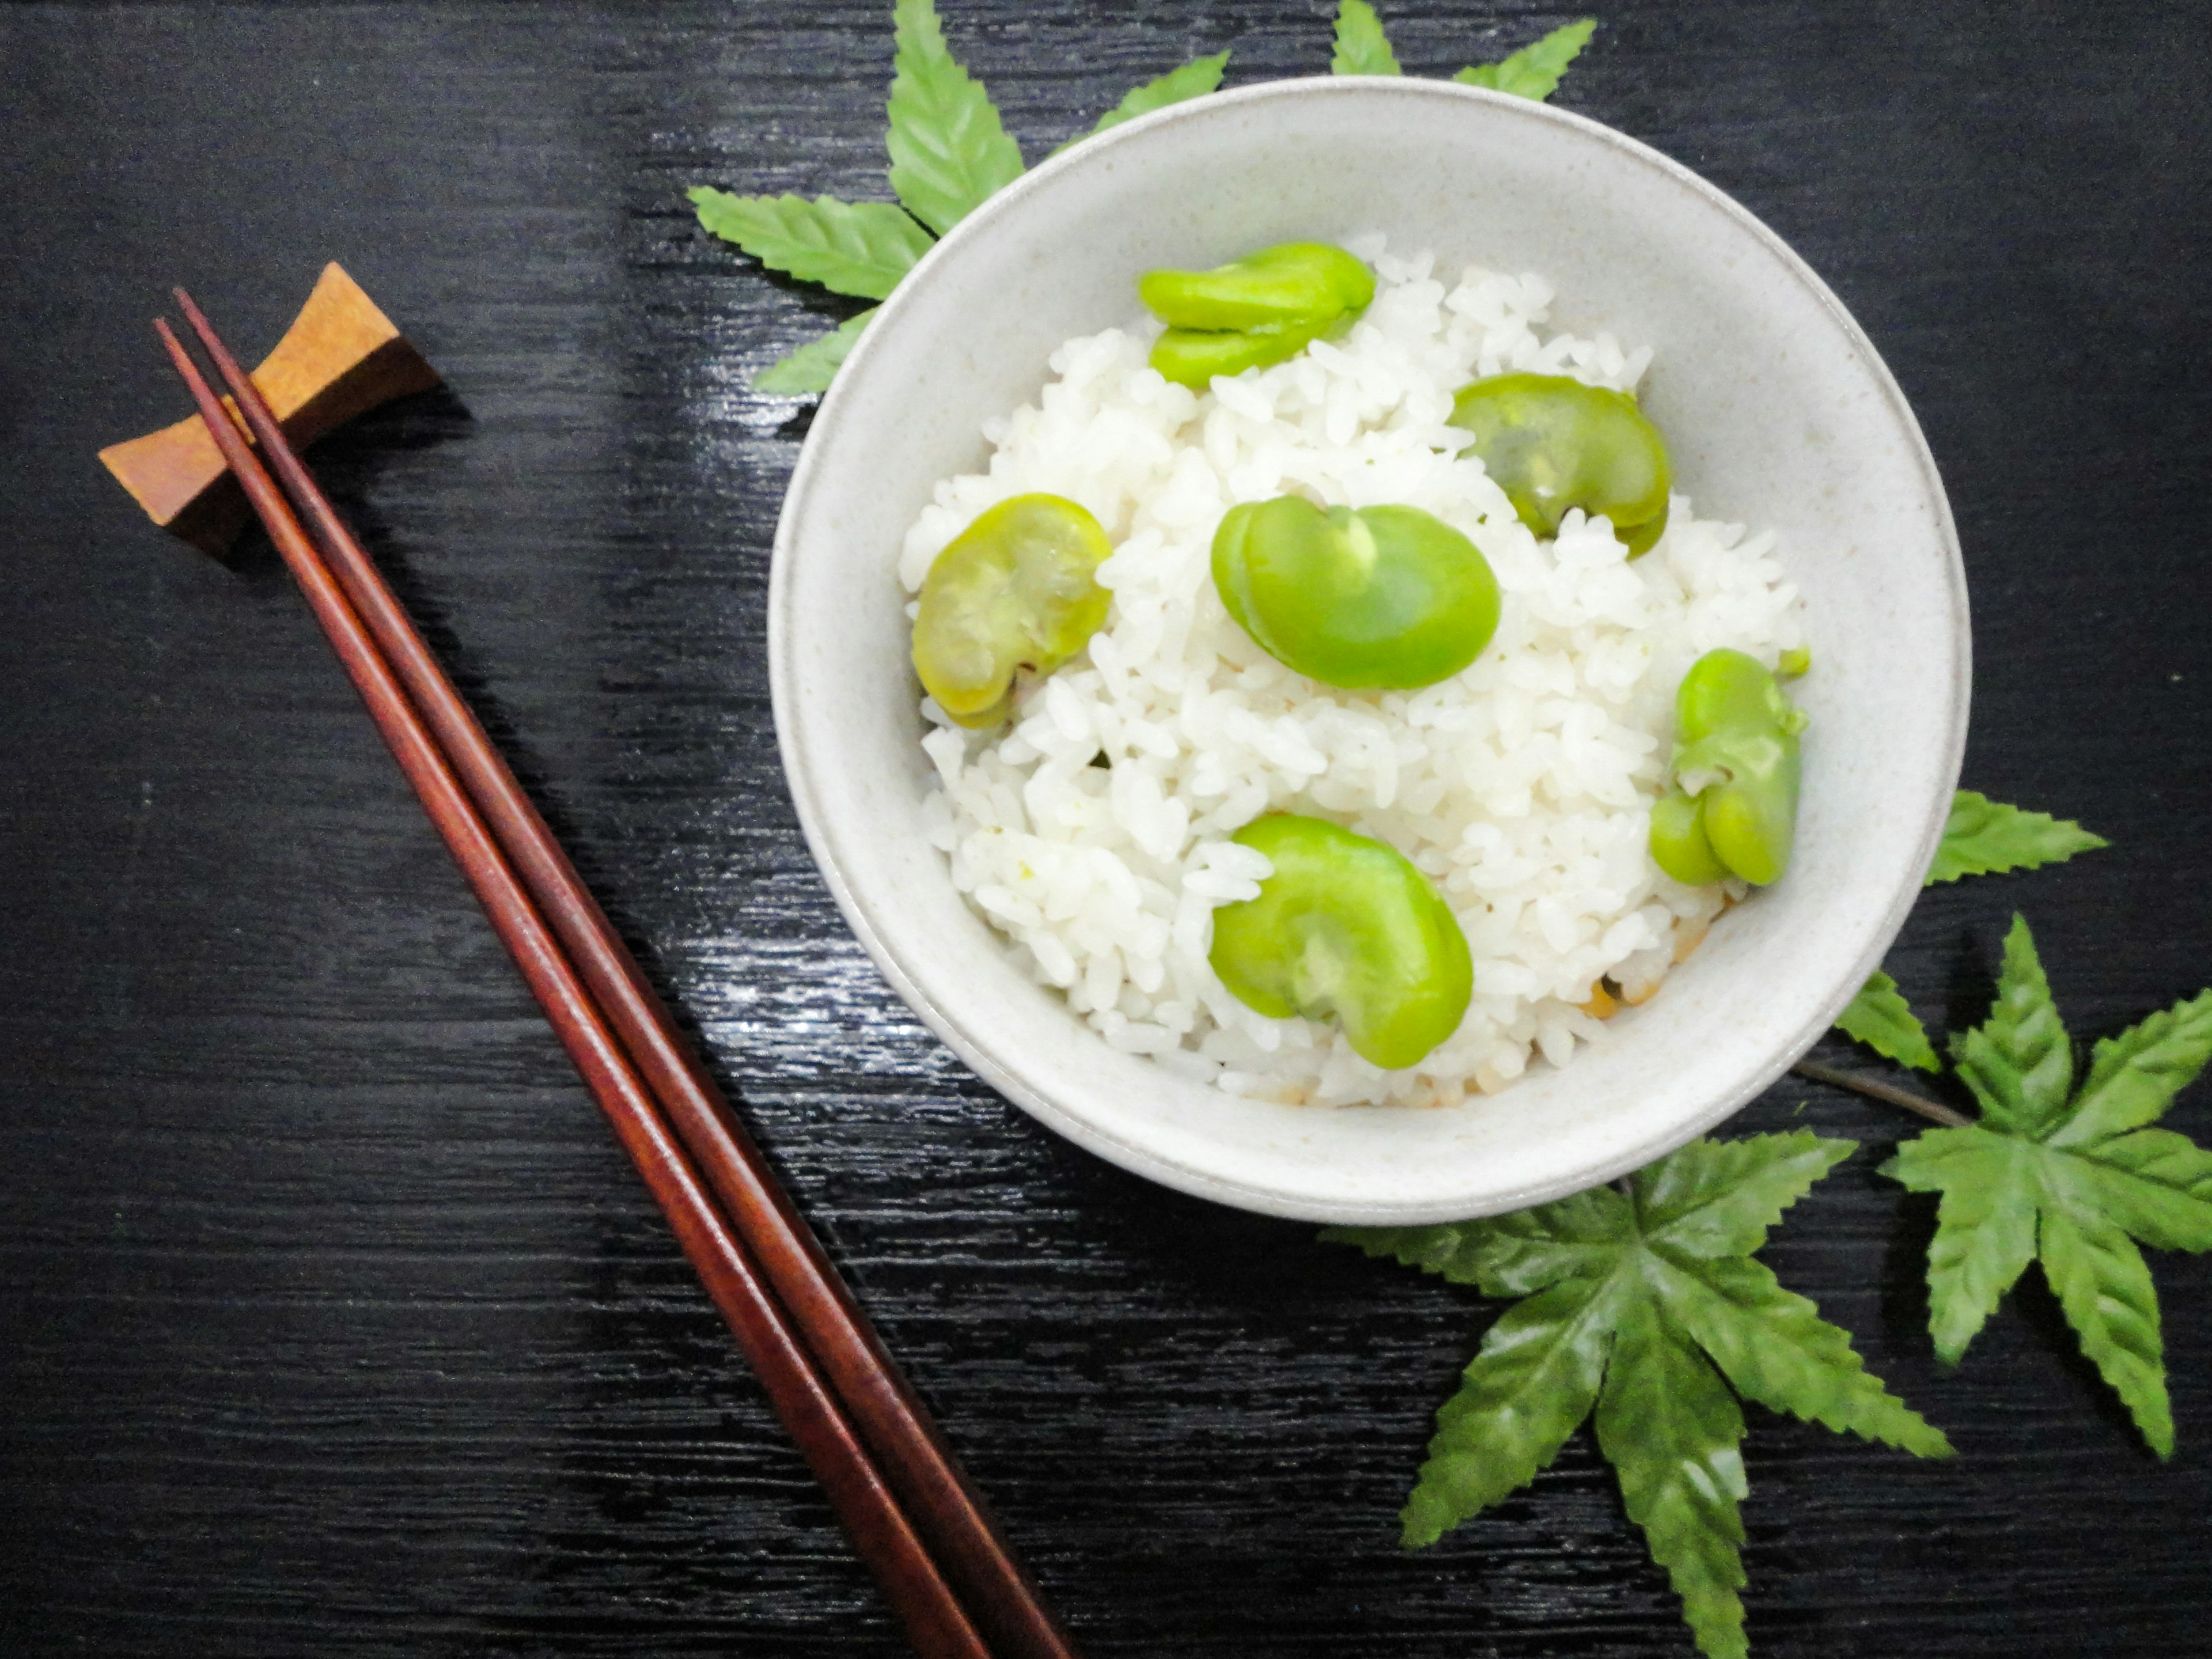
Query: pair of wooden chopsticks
pixel 904 1501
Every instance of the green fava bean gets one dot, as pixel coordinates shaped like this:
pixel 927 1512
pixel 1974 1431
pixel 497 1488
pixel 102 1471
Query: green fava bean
pixel 1290 283
pixel 1261 309
pixel 1727 690
pixel 1552 443
pixel 1016 594
pixel 1737 767
pixel 1679 842
pixel 1379 596
pixel 1345 928
pixel 1191 357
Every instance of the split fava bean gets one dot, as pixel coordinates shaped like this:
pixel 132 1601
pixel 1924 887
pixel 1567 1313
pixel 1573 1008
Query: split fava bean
pixel 1733 808
pixel 1261 309
pixel 1552 443
pixel 1377 596
pixel 1345 928
pixel 1012 597
pixel 1191 358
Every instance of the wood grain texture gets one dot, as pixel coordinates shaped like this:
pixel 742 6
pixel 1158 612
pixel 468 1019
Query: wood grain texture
pixel 332 1322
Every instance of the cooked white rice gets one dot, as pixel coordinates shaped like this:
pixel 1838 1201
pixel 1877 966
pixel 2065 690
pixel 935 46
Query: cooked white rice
pixel 1521 786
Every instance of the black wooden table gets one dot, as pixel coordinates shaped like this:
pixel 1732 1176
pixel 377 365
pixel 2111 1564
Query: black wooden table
pixel 332 1320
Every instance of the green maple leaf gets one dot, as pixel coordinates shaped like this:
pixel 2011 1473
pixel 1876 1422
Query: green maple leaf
pixel 1986 837
pixel 1362 48
pixel 2070 1178
pixel 1880 1017
pixel 1193 80
pixel 1982 837
pixel 1535 70
pixel 948 149
pixel 811 368
pixel 859 248
pixel 1635 1308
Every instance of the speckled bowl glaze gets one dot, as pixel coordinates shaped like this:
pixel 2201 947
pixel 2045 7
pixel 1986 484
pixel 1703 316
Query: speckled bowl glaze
pixel 1779 413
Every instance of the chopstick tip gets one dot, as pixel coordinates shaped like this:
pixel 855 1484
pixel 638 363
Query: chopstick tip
pixel 197 318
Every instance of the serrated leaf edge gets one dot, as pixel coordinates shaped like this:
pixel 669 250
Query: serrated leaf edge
pixel 1956 855
pixel 926 74
pixel 1137 102
pixel 832 347
pixel 1880 1017
pixel 2019 1062
pixel 1531 57
pixel 1359 35
pixel 825 241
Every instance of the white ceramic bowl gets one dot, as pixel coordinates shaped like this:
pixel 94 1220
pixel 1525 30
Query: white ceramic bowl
pixel 1778 412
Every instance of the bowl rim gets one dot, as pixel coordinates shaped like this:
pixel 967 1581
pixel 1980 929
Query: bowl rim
pixel 1133 1155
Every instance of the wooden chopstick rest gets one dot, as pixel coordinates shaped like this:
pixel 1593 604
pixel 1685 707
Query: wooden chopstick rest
pixel 342 357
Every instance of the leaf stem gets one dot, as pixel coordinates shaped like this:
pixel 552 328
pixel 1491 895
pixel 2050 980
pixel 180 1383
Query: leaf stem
pixel 1875 1089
